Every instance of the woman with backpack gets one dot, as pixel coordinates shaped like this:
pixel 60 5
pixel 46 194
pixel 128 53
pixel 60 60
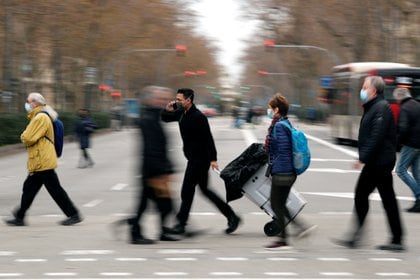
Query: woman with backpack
pixel 279 148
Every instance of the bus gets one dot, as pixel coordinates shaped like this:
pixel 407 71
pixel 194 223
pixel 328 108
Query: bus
pixel 343 96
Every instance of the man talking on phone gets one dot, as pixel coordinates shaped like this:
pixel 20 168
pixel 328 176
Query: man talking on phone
pixel 200 151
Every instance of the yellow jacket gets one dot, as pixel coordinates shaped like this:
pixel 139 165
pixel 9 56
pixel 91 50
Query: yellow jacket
pixel 41 151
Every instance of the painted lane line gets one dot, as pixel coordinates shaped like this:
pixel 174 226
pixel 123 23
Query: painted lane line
pixel 258 213
pixel 5 274
pixel 93 203
pixel 203 214
pixel 332 170
pixel 30 260
pixel 232 259
pixel 352 154
pixel 181 259
pixel 281 273
pixel 7 253
pixel 373 196
pixel 336 273
pixel 282 259
pixel 116 273
pixel 225 273
pixel 385 259
pixel 249 136
pixel 87 252
pixel 60 273
pixel 119 187
pixel 81 260
pixel 182 251
pixel 392 274
pixel 170 273
pixel 131 259
pixel 331 160
pixel 333 259
pixel 334 213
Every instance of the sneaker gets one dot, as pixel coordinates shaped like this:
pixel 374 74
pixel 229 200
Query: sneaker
pixel 15 222
pixel 233 223
pixel 75 219
pixel 351 244
pixel 177 229
pixel 169 237
pixel 392 247
pixel 278 245
pixel 305 232
pixel 142 241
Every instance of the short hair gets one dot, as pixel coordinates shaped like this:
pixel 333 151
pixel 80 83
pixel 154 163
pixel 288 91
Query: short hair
pixel 37 98
pixel 401 93
pixel 280 102
pixel 187 93
pixel 378 83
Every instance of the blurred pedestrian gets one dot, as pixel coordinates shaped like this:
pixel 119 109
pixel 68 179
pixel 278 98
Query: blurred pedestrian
pixel 200 151
pixel 155 164
pixel 42 161
pixel 278 145
pixel 377 154
pixel 236 117
pixel 83 128
pixel 408 132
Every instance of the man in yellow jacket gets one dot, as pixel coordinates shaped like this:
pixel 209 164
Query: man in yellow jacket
pixel 42 161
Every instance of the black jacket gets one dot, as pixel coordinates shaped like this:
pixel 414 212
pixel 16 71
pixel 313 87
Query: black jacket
pixel 409 123
pixel 377 133
pixel 155 159
pixel 195 132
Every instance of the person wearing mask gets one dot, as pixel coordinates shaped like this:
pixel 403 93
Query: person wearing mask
pixel 377 143
pixel 83 129
pixel 278 145
pixel 42 161
pixel 408 132
pixel 201 154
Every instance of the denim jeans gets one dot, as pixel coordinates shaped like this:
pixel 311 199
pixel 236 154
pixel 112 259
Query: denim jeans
pixel 410 157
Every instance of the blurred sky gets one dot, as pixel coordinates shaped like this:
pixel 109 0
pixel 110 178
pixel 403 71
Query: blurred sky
pixel 224 22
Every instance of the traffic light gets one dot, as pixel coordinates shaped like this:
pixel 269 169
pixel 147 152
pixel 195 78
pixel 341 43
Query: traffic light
pixel 181 50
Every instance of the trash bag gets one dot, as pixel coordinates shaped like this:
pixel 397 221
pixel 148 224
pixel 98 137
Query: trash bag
pixel 240 170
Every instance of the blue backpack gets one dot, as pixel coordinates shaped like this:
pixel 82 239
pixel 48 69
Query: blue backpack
pixel 58 127
pixel 300 148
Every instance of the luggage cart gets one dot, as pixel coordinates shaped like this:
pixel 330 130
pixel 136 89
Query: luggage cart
pixel 257 189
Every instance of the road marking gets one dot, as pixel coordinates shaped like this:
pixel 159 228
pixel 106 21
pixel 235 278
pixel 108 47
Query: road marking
pixel 231 259
pixel 115 273
pixel 30 260
pixel 170 273
pixel 336 273
pixel 60 273
pixel 203 213
pixel 392 274
pixel 249 136
pixel 87 252
pixel 182 251
pixel 373 196
pixel 282 259
pixel 81 260
pixel 225 273
pixel 93 203
pixel 352 154
pixel 333 259
pixel 331 160
pixel 332 170
pixel 385 259
pixel 181 259
pixel 7 253
pixel 335 213
pixel 119 187
pixel 281 273
pixel 10 274
pixel 131 259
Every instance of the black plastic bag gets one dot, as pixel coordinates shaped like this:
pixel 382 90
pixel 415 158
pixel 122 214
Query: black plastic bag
pixel 240 170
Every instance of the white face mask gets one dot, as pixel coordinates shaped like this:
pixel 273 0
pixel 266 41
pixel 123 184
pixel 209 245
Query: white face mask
pixel 364 95
pixel 28 107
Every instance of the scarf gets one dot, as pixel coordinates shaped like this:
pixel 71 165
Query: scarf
pixel 270 130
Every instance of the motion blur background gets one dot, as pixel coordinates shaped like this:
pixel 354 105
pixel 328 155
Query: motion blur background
pixel 99 54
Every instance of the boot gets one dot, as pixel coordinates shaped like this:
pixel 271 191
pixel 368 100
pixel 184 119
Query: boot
pixel 415 208
pixel 136 237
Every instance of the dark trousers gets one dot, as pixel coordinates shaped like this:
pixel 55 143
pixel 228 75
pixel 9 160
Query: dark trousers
pixel 33 184
pixel 197 174
pixel 163 204
pixel 380 177
pixel 280 189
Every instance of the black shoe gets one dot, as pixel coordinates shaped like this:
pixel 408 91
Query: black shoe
pixel 72 220
pixel 233 223
pixel 177 229
pixel 15 222
pixel 142 241
pixel 396 247
pixel 169 237
pixel 351 244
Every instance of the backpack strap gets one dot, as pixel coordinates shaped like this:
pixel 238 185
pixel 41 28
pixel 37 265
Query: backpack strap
pixel 45 112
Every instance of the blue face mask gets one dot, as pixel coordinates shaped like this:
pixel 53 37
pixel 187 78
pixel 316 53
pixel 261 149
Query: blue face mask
pixel 364 95
pixel 270 113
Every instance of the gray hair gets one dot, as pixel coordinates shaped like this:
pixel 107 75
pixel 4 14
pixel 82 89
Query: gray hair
pixel 401 93
pixel 378 83
pixel 37 98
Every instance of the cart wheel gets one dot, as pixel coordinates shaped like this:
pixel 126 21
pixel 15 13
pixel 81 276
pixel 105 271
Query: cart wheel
pixel 271 228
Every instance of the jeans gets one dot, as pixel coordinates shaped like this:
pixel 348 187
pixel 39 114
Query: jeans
pixel 410 157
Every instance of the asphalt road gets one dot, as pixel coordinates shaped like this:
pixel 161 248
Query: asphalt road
pixel 106 193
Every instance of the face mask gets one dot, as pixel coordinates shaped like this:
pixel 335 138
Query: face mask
pixel 28 107
pixel 364 95
pixel 270 113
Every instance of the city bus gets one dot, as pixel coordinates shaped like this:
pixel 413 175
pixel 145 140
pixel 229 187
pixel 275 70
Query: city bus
pixel 347 80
